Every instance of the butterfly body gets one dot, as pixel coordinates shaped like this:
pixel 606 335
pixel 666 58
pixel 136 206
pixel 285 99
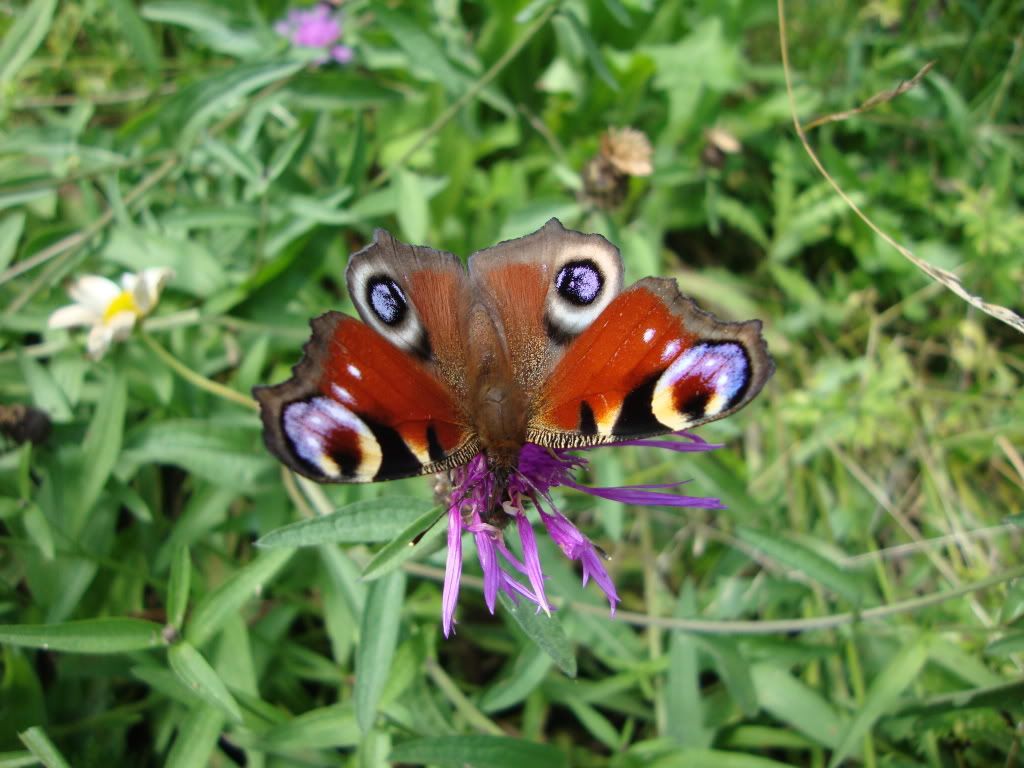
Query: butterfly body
pixel 536 342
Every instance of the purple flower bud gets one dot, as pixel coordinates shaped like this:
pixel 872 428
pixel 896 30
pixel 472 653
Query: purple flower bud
pixel 320 27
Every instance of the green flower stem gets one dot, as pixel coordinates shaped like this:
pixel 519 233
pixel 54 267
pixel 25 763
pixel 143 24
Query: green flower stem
pixel 197 379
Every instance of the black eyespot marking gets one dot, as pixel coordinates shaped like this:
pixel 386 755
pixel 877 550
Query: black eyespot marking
pixel 386 299
pixel 579 282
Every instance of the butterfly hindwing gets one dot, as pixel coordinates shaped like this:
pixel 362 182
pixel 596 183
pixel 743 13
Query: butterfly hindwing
pixel 651 363
pixel 359 409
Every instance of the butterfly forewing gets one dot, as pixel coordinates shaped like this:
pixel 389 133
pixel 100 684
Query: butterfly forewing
pixel 359 409
pixel 651 363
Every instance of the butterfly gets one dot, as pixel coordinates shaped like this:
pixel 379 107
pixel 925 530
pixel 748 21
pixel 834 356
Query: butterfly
pixel 536 342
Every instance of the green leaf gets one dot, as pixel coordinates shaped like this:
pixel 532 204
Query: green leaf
pixel 616 9
pixel 198 676
pixel 413 211
pixel 196 270
pixel 882 696
pixel 546 631
pixel 11 227
pixel 425 54
pixel 102 443
pixel 44 750
pixel 225 455
pixel 378 638
pixel 137 35
pixel 530 669
pixel 46 392
pixel 362 521
pixel 590 48
pixel 808 562
pixel 21 40
pixel 217 94
pixel 734 671
pixel 197 738
pixel 1011 642
pixel 324 728
pixel 796 704
pixel 713 758
pixel 401 547
pixel 177 589
pixel 478 751
pixel 326 91
pixel 212 23
pixel 1000 697
pixel 107 635
pixel 215 608
pixel 683 701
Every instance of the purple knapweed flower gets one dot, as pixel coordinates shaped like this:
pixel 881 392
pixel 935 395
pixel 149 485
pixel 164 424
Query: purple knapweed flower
pixel 316 27
pixel 483 503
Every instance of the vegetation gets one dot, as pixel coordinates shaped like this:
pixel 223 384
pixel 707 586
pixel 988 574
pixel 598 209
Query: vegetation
pixel 859 601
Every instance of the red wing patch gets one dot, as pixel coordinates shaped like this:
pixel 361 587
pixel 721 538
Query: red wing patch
pixel 651 363
pixel 359 409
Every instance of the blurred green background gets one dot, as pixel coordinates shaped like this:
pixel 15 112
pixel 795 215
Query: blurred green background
pixel 881 468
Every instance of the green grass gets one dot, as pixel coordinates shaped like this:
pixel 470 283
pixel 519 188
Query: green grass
pixel 859 602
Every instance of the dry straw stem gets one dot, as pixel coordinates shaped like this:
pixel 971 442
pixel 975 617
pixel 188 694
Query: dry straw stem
pixel 947 278
pixel 874 101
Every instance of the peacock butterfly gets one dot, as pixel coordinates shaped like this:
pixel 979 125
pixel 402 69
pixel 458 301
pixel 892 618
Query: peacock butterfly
pixel 537 342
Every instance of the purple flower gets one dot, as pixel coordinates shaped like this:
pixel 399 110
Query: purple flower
pixel 483 503
pixel 316 27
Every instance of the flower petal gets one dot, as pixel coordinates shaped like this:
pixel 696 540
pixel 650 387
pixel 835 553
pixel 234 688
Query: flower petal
pixel 121 325
pixel 649 498
pixel 72 316
pixel 94 292
pixel 531 559
pixel 593 567
pixel 342 54
pixel 149 285
pixel 100 338
pixel 488 556
pixel 452 570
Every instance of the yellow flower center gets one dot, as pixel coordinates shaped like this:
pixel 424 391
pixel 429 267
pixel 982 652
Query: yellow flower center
pixel 124 302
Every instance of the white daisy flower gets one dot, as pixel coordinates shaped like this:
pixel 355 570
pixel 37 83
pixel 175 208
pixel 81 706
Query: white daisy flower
pixel 109 309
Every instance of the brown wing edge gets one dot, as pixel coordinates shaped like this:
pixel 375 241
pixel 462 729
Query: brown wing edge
pixel 303 384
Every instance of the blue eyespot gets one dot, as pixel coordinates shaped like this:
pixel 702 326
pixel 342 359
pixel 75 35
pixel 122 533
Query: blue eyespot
pixel 579 282
pixel 386 300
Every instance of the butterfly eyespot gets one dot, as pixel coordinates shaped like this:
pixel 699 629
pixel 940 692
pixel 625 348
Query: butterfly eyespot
pixel 579 282
pixel 386 300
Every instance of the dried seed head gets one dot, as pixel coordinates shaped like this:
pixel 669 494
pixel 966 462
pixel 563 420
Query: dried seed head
pixel 628 151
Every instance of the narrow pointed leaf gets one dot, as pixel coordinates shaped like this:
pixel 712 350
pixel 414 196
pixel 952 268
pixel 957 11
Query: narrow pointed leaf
pixel 546 631
pixel 197 674
pixel 362 521
pixel 401 547
pixel 479 751
pixel 378 637
pixel 221 604
pixel 882 696
pixel 107 635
